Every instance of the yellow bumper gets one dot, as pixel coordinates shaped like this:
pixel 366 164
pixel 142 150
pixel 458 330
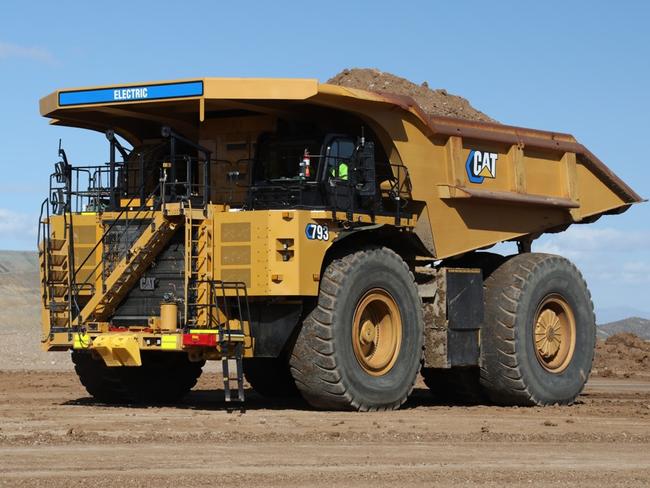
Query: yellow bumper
pixel 118 349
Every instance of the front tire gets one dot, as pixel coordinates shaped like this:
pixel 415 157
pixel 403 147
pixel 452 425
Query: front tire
pixel 361 347
pixel 164 377
pixel 539 333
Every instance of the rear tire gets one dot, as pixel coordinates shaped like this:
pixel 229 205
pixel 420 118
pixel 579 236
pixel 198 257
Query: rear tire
pixel 163 378
pixel 455 385
pixel 539 333
pixel 270 377
pixel 361 347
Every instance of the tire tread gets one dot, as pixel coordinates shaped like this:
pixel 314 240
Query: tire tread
pixel 313 362
pixel 501 373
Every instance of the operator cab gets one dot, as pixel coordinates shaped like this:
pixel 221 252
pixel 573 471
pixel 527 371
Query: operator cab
pixel 332 171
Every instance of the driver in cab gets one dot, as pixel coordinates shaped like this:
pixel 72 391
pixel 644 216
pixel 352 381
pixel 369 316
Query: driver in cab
pixel 339 154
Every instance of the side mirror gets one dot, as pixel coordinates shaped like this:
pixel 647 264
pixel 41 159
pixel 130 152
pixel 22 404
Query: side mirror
pixel 61 171
pixel 366 170
pixel 57 201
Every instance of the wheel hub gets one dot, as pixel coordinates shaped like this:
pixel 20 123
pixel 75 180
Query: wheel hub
pixel 554 332
pixel 376 332
pixel 547 334
pixel 368 333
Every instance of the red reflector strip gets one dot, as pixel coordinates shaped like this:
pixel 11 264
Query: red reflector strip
pixel 200 340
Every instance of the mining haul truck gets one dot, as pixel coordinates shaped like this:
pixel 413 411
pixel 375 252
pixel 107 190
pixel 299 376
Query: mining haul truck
pixel 317 240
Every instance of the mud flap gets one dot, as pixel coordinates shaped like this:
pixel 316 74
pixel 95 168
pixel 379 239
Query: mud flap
pixel 453 320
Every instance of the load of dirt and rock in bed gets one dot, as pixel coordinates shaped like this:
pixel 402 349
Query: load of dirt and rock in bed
pixel 434 102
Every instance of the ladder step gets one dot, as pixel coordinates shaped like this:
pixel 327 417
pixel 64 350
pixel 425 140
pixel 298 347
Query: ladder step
pixel 239 378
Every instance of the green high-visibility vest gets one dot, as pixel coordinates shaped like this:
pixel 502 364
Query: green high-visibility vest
pixel 343 171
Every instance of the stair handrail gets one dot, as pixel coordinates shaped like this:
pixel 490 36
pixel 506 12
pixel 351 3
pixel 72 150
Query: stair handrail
pixel 110 227
pixel 43 230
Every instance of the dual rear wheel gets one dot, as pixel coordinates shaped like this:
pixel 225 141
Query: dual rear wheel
pixel 361 347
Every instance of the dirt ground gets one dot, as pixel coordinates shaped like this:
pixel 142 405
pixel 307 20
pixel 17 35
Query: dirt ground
pixel 52 434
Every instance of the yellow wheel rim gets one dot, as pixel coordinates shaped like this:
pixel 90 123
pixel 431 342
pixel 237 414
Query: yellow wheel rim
pixel 377 332
pixel 555 334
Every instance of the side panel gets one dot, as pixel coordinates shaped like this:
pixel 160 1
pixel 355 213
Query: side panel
pixel 593 195
pixel 464 224
pixel 87 231
pixel 484 187
pixel 275 252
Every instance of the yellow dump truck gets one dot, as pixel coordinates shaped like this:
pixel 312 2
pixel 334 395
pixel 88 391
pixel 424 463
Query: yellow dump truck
pixel 318 240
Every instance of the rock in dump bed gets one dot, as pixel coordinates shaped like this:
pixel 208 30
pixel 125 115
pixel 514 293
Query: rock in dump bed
pixel 433 102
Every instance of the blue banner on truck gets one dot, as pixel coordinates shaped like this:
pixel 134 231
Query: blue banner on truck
pixel 131 93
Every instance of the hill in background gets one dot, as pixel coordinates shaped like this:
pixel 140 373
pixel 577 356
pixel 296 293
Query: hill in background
pixel 633 325
pixel 19 289
pixel 20 325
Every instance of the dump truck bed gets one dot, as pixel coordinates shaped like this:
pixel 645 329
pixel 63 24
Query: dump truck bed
pixel 536 182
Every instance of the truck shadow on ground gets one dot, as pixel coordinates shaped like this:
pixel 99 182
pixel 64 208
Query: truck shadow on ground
pixel 213 400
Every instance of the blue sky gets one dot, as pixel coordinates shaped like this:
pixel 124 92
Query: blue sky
pixel 580 67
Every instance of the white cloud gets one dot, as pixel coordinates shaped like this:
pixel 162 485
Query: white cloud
pixel 15 226
pixel 604 254
pixel 582 241
pixel 9 51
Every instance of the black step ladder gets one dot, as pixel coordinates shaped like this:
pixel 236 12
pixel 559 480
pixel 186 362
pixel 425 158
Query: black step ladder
pixel 232 337
pixel 237 356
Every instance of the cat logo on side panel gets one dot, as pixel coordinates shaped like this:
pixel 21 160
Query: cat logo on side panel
pixel 481 165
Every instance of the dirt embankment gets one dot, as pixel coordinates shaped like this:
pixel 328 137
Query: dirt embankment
pixel 623 355
pixel 432 101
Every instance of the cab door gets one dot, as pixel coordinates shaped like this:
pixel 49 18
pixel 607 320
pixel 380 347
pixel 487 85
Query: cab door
pixel 338 173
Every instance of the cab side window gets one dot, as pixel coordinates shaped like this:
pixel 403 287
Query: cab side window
pixel 339 158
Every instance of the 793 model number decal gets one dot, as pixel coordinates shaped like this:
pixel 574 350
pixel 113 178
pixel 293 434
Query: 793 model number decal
pixel 317 232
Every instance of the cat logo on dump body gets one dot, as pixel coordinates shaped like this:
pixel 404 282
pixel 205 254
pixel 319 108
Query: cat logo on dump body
pixel 481 165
